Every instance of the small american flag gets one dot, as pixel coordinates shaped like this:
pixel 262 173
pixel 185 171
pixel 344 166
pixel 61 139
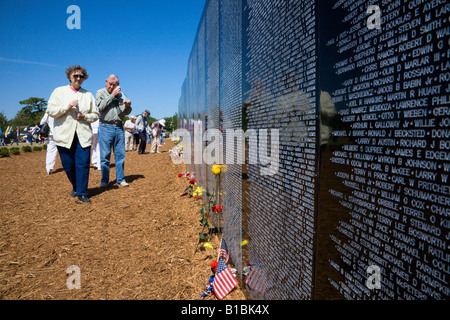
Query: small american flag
pixel 224 280
pixel 223 252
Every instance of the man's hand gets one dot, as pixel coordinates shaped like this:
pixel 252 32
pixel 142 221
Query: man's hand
pixel 116 91
pixel 80 116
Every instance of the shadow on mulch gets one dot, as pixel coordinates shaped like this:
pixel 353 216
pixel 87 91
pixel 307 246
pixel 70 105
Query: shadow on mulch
pixel 57 170
pixel 113 185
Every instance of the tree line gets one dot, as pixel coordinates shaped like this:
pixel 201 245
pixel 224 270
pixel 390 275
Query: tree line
pixel 34 109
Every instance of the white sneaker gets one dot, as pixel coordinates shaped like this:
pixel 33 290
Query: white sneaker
pixel 103 185
pixel 123 184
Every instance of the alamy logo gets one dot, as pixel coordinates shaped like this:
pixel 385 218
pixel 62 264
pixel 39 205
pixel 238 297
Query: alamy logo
pixel 74 21
pixel 74 281
pixel 234 153
pixel 374 20
pixel 374 281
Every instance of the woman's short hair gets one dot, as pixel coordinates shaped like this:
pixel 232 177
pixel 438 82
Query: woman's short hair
pixel 71 69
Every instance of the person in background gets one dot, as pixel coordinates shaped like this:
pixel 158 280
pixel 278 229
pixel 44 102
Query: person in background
pixel 148 132
pixel 13 136
pixel 29 138
pixel 130 127
pixel 95 149
pixel 136 139
pixel 52 150
pixel 73 109
pixel 113 106
pixel 161 142
pixel 35 133
pixel 157 128
pixel 141 126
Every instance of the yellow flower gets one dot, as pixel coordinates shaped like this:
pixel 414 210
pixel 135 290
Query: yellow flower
pixel 208 245
pixel 244 243
pixel 215 169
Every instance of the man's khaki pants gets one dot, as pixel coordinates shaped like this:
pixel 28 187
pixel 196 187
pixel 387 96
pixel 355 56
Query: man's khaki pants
pixel 155 144
pixel 128 141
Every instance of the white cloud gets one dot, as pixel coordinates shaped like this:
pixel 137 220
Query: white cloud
pixel 27 62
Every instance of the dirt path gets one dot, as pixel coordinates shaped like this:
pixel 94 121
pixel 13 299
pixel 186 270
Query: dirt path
pixel 129 243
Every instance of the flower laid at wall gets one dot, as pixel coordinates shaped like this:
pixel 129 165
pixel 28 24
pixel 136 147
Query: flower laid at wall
pixel 208 245
pixel 218 168
pixel 192 182
pixel 186 174
pixel 198 192
pixel 176 154
pixel 215 169
pixel 211 212
pixel 176 140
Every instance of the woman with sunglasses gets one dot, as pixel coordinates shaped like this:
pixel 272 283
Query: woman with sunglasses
pixel 73 109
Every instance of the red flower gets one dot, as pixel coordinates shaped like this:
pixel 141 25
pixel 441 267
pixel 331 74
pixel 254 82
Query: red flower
pixel 215 208
pixel 220 208
pixel 188 174
pixel 214 266
pixel 195 197
pixel 180 175
pixel 193 181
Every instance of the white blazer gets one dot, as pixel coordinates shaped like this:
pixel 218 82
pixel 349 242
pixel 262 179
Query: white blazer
pixel 65 121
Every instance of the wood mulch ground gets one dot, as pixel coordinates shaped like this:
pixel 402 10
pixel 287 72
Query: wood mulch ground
pixel 129 243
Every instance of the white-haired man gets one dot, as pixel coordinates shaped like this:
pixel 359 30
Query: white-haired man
pixel 113 107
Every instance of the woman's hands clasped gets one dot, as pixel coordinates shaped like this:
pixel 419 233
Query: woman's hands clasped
pixel 74 104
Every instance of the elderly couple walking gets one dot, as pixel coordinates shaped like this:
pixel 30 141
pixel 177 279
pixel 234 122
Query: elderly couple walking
pixel 74 109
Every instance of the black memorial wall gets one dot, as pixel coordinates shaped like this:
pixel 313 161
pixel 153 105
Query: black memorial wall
pixel 340 187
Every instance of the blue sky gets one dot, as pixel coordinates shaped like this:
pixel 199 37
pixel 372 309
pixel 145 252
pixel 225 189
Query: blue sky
pixel 145 42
